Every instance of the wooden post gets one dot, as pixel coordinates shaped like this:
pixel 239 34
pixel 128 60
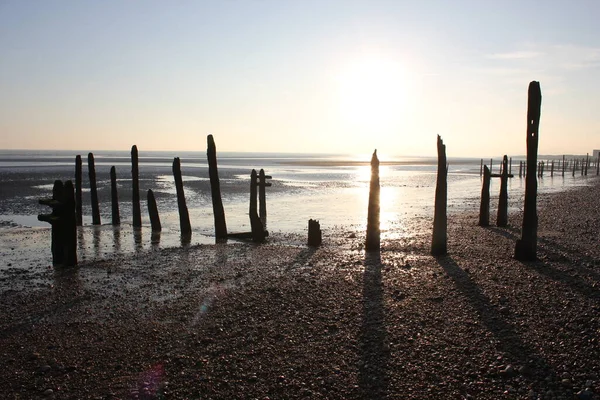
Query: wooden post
pixel 582 166
pixel 502 217
pixel 215 190
pixel 78 191
pixel 563 166
pixel 598 165
pixel 258 231
pixel 373 233
pixel 262 198
pixel 64 223
pixel 587 163
pixel 135 186
pixel 491 165
pixel 484 208
pixel 93 190
pixel 481 168
pixel 153 211
pixel 114 196
pixel 526 247
pixel 440 236
pixel 184 217
pixel 510 166
pixel 314 233
pixel 574 166
pixel 520 169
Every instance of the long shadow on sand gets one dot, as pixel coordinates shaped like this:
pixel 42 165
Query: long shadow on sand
pixel 372 369
pixel 509 340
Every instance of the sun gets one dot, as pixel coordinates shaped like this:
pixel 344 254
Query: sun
pixel 373 92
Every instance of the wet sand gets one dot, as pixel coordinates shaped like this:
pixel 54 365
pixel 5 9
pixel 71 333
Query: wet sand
pixel 282 321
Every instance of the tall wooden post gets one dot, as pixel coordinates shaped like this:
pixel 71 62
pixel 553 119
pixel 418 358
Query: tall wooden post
pixel 78 191
pixel 481 168
pixel 215 190
pixel 440 235
pixel 587 163
pixel 135 186
pixel 373 232
pixel 598 165
pixel 114 196
pixel 491 165
pixel 510 166
pixel 526 247
pixel 582 166
pixel 184 216
pixel 502 217
pixel 153 212
pixel 93 190
pixel 262 198
pixel 258 231
pixel 563 166
pixel 484 208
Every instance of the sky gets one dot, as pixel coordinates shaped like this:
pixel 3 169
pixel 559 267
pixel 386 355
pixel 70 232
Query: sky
pixel 299 76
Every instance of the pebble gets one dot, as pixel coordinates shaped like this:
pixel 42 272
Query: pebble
pixel 585 395
pixel 48 392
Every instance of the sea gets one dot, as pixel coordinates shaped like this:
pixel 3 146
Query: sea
pixel 330 188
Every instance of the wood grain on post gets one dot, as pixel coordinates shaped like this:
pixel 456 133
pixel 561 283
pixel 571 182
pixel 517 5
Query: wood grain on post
pixel 153 212
pixel 215 190
pixel 373 231
pixel 526 247
pixel 184 216
pixel 502 217
pixel 439 244
pixel 135 187
pixel 114 197
pixel 78 191
pixel 93 190
pixel 484 208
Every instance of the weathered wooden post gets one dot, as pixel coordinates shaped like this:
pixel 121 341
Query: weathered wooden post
pixel 574 167
pixel 314 233
pixel 153 212
pixel 78 191
pixel 440 236
pixel 373 233
pixel 481 168
pixel 582 166
pixel 552 169
pixel 520 169
pixel 184 217
pixel 258 231
pixel 587 163
pixel 63 220
pixel 502 217
pixel 510 166
pixel 93 190
pixel 262 198
pixel 135 186
pixel 215 190
pixel 598 165
pixel 526 247
pixel 563 166
pixel 114 196
pixel 484 208
pixel 491 165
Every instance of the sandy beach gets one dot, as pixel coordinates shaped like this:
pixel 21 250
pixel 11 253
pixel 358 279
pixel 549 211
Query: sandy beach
pixel 281 320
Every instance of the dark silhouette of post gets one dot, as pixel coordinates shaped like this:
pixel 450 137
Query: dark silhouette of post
pixel 587 163
pixel 491 165
pixel 314 233
pixel 215 190
pixel 93 190
pixel 526 247
pixel 153 212
pixel 439 245
pixel 114 197
pixel 63 220
pixel 552 169
pixel 262 198
pixel 78 191
pixel 598 165
pixel 373 232
pixel 510 166
pixel 563 166
pixel 520 169
pixel 184 217
pixel 502 217
pixel 258 231
pixel 484 208
pixel 135 187
pixel 481 168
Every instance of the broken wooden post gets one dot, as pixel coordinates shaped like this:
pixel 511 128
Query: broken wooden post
pixel 64 223
pixel 502 217
pixel 262 198
pixel 153 212
pixel 93 190
pixel 563 166
pixel 526 247
pixel 215 190
pixel 114 197
pixel 314 233
pixel 135 186
pixel 598 165
pixel 574 167
pixel 587 163
pixel 373 232
pixel 481 168
pixel 582 166
pixel 440 235
pixel 258 230
pixel 184 217
pixel 484 208
pixel 78 191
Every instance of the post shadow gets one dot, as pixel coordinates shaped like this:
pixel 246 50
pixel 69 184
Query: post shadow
pixel 372 370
